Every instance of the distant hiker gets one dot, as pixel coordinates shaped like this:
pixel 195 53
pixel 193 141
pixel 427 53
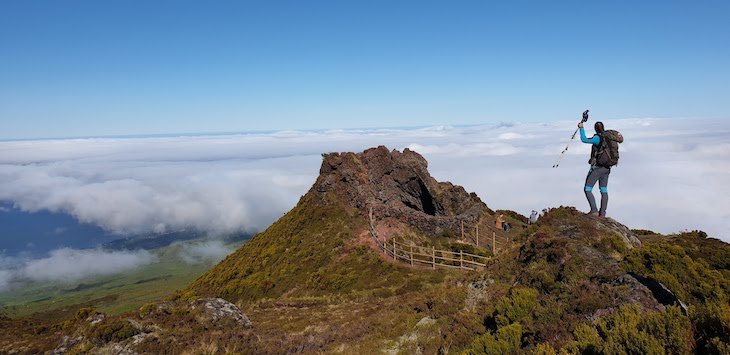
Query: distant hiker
pixel 533 217
pixel 604 155
pixel 501 224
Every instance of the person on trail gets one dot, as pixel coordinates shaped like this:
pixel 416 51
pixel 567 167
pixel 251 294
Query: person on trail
pixel 500 222
pixel 600 167
pixel 533 217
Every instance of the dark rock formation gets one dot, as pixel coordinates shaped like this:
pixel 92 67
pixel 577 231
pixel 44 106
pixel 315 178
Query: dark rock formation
pixel 397 186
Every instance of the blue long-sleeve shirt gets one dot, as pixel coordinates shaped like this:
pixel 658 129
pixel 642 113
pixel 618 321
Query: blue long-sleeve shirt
pixel 595 140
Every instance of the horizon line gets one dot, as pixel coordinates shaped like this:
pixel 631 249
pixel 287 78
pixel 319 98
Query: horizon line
pixel 497 123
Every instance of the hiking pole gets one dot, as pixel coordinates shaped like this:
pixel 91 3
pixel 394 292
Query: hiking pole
pixel 560 157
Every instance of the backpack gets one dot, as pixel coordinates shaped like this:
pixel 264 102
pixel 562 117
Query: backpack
pixel 606 155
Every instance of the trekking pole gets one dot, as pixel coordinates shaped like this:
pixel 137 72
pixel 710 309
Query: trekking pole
pixel 560 157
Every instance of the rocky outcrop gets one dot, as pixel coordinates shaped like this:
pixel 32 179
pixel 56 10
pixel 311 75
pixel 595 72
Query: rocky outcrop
pixel 397 186
pixel 609 225
pixel 218 309
pixel 580 255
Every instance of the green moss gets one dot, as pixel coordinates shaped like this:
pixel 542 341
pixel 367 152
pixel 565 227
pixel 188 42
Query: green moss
pixel 611 244
pixel 84 313
pixel 519 305
pixel 116 330
pixel 544 349
pixel 148 309
pixel 633 331
pixel 507 340
pixel 693 280
pixel 309 251
pixel 82 348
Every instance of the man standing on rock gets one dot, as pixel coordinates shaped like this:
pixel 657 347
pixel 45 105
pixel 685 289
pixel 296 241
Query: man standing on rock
pixel 604 155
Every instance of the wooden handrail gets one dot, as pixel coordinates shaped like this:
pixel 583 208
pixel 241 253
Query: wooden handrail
pixel 397 250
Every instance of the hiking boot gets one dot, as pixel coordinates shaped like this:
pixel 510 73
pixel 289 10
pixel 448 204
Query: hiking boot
pixel 594 214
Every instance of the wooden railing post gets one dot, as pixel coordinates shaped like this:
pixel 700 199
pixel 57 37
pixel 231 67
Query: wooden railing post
pixel 393 248
pixel 461 259
pixel 411 255
pixel 477 233
pixel 433 257
pixel 494 243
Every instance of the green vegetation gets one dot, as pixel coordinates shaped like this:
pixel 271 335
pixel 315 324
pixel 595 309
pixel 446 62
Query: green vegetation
pixel 570 282
pixel 112 331
pixel 694 269
pixel 312 284
pixel 111 294
pixel 631 330
pixel 312 250
pixel 507 340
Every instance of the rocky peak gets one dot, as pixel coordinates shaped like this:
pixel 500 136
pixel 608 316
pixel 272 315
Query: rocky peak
pixel 396 185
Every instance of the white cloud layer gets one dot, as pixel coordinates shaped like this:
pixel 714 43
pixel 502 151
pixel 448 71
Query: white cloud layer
pixel 204 252
pixel 672 176
pixel 69 265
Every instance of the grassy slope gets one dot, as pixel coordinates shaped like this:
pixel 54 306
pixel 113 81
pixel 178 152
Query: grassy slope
pixel 312 250
pixel 110 294
pixel 543 294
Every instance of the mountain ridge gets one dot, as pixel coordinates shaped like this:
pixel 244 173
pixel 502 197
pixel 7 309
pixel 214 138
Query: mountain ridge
pixel 315 281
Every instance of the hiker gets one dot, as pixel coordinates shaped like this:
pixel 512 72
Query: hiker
pixel 500 222
pixel 533 217
pixel 604 155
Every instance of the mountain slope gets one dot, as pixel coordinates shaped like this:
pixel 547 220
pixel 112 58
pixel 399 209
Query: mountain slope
pixel 322 245
pixel 315 282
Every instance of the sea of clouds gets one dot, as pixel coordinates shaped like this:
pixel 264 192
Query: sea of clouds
pixel 69 265
pixel 672 176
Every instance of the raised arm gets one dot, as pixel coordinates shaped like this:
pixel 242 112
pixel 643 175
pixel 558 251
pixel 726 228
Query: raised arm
pixel 593 140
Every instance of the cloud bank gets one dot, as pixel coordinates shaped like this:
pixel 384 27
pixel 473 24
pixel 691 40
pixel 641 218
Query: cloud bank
pixel 205 252
pixel 69 265
pixel 672 175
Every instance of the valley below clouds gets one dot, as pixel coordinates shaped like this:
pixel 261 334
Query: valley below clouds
pixel 672 177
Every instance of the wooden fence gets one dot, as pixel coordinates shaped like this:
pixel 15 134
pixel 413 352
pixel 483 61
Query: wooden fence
pixel 433 257
pixel 491 239
pixel 419 255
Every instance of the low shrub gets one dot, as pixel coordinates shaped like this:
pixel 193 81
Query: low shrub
pixel 113 331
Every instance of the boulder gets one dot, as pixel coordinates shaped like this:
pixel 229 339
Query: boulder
pixel 217 309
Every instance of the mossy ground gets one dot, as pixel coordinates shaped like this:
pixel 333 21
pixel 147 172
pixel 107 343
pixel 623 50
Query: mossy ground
pixel 555 291
pixel 311 251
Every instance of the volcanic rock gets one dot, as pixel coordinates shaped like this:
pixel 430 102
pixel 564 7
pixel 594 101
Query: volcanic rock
pixel 397 185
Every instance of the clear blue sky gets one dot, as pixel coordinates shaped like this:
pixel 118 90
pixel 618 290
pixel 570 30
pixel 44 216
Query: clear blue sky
pixel 87 68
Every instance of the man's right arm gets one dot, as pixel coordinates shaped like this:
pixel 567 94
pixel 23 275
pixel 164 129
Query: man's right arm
pixel 593 140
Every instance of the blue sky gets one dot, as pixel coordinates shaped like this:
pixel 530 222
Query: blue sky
pixel 96 68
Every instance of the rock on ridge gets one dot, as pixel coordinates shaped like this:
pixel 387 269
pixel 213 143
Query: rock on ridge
pixel 397 186
pixel 216 309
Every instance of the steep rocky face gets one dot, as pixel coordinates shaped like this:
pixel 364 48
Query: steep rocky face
pixel 397 186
